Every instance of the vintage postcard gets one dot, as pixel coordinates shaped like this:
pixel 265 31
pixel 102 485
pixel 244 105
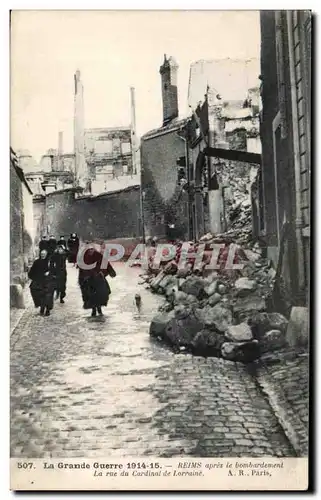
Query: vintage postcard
pixel 160 250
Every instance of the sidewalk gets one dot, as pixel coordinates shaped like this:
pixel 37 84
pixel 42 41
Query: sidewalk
pixel 17 314
pixel 284 379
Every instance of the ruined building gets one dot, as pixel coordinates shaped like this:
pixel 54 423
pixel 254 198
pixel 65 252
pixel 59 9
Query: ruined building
pixel 181 185
pixel 109 158
pixel 103 156
pixel 55 171
pixel 221 181
pixel 164 203
pixel 104 159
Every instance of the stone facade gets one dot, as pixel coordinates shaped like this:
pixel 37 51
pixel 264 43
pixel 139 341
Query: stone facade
pixel 285 132
pixel 16 227
pixel 21 229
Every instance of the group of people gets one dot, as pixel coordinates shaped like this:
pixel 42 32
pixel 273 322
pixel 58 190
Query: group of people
pixel 52 245
pixel 48 275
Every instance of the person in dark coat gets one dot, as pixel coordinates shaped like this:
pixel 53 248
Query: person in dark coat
pixel 43 243
pixel 59 261
pixel 42 275
pixel 73 247
pixel 62 242
pixel 94 287
pixel 52 245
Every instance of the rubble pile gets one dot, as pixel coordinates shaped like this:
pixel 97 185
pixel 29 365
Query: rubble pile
pixel 220 313
pixel 237 177
pixel 240 216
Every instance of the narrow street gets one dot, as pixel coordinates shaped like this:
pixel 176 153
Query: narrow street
pixel 84 387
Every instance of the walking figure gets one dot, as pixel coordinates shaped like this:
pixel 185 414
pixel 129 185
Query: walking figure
pixel 52 245
pixel 94 287
pixel 73 247
pixel 42 275
pixel 62 242
pixel 43 243
pixel 59 260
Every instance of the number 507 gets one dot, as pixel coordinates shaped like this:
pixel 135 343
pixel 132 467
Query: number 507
pixel 25 465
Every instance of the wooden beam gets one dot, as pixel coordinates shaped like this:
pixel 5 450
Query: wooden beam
pixel 231 154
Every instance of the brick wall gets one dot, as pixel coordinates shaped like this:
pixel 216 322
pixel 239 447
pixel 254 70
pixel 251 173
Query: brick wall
pixel 108 216
pixel 163 199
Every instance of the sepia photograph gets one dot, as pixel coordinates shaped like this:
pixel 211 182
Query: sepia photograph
pixel 159 247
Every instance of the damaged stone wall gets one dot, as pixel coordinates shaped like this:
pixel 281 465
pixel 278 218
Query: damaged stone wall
pixel 236 179
pixel 164 200
pixel 112 215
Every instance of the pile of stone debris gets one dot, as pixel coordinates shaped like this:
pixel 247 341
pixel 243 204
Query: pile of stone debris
pixel 238 178
pixel 220 313
pixel 240 218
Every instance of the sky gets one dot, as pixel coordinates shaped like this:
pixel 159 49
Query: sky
pixel 113 50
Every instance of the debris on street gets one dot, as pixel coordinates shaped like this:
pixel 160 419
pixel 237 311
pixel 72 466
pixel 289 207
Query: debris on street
pixel 224 312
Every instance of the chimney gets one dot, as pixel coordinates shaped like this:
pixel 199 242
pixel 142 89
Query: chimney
pixel 168 72
pixel 60 150
pixel 81 173
pixel 133 130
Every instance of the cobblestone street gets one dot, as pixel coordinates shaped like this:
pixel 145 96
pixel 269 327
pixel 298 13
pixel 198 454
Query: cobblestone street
pixel 84 387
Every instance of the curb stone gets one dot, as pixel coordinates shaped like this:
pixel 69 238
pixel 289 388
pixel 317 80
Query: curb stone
pixel 291 424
